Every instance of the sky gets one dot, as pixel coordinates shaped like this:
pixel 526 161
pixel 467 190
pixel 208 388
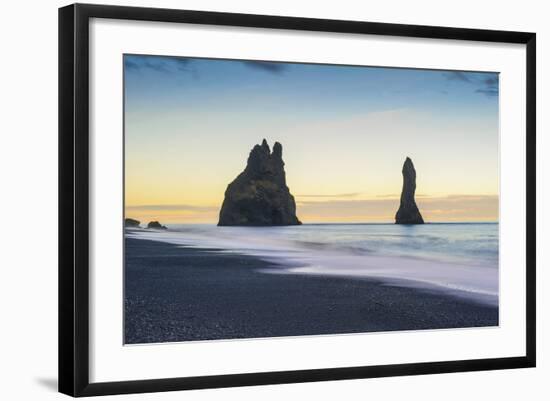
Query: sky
pixel 346 131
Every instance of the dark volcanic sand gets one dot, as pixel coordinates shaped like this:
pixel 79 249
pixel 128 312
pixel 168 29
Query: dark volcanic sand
pixel 182 294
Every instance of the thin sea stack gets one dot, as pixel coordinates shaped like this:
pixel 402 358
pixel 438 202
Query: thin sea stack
pixel 408 212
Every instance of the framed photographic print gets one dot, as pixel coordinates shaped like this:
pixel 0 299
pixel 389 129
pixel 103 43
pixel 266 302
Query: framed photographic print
pixel 250 199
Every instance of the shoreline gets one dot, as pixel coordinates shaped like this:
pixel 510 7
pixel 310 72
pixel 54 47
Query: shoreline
pixel 175 294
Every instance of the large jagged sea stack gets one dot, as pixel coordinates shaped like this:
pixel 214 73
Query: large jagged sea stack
pixel 259 195
pixel 408 212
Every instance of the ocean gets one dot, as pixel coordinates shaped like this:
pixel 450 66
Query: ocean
pixel 457 258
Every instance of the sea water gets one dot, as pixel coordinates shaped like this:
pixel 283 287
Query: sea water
pixel 460 258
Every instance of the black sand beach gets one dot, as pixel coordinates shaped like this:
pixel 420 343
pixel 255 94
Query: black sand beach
pixel 181 294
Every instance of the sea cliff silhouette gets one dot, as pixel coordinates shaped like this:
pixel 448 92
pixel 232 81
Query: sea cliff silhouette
pixel 128 222
pixel 408 212
pixel 259 195
pixel 156 225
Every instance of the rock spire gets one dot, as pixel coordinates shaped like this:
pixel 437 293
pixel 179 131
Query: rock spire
pixel 408 212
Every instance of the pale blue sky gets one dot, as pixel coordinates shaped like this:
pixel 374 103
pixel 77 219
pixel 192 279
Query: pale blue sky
pixel 157 83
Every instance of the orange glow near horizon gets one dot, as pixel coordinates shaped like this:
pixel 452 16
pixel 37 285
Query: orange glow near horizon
pixel 454 208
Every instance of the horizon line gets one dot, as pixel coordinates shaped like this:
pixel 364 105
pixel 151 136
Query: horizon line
pixel 351 223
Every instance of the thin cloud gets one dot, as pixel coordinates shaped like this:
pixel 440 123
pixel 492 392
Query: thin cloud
pixel 437 208
pixel 468 197
pixel 274 68
pixel 491 81
pixel 397 196
pixel 490 86
pixel 158 64
pixel 457 76
pixel 484 83
pixel 488 92
pixel 131 65
pixel 178 207
pixel 348 195
pixel 346 203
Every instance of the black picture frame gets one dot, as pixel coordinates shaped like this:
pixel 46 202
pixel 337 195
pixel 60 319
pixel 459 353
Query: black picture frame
pixel 74 200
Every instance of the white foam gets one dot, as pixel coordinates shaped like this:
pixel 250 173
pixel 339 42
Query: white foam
pixel 291 253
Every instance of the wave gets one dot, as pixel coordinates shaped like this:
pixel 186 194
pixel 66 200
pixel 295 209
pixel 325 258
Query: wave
pixel 459 259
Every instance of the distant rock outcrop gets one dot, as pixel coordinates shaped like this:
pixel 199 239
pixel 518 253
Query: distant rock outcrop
pixel 259 195
pixel 408 212
pixel 131 223
pixel 156 225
